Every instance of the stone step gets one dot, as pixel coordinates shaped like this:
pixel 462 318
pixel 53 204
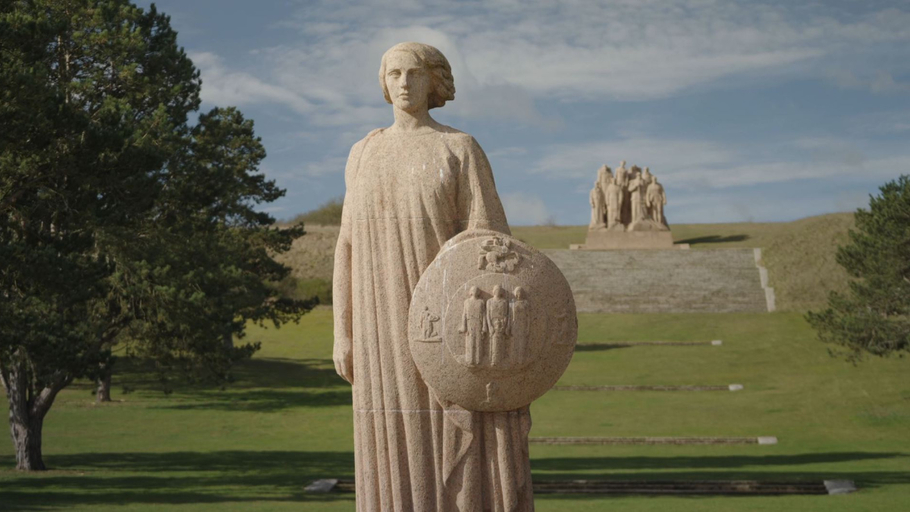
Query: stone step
pixel 718 280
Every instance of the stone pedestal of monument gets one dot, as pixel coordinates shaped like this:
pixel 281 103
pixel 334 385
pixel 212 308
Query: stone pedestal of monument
pixel 602 239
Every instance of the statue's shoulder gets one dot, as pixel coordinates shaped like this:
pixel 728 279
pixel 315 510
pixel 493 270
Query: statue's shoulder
pixel 462 143
pixel 456 136
pixel 359 145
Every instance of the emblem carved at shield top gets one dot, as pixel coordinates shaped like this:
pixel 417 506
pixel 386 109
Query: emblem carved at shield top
pixel 496 254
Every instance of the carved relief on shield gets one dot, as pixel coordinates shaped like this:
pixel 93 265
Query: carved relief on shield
pixel 506 332
pixel 493 326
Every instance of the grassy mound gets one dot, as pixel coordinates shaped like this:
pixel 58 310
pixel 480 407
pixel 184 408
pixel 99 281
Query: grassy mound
pixel 799 255
pixel 287 420
pixel 328 214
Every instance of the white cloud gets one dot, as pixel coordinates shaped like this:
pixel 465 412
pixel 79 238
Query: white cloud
pixel 700 165
pixel 328 165
pixel 603 49
pixel 524 209
pixel 507 58
pixel 583 159
pixel 224 87
pixel 881 83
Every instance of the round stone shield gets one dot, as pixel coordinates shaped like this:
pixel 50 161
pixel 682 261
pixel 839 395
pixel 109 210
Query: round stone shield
pixel 492 322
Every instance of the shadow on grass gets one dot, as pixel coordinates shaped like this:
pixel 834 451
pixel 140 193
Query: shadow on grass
pixel 252 373
pixel 279 476
pixel 261 400
pixel 733 467
pixel 713 239
pixel 174 478
pixel 260 385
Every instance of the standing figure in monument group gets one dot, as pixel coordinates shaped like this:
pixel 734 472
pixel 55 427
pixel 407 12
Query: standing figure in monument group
pixel 656 200
pixel 613 198
pixel 474 326
pixel 636 191
pixel 598 209
pixel 410 188
pixel 604 175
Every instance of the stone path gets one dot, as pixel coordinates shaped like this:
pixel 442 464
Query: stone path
pixel 667 487
pixel 728 387
pixel 614 344
pixel 760 440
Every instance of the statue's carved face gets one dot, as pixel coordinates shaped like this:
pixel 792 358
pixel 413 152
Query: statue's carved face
pixel 407 81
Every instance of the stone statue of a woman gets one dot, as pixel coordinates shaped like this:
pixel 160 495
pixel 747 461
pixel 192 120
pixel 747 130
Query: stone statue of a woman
pixel 410 188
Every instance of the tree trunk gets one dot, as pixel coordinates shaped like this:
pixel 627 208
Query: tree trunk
pixel 27 410
pixel 24 427
pixel 103 391
pixel 26 433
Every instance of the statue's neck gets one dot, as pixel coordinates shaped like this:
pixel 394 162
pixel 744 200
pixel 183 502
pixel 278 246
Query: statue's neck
pixel 413 121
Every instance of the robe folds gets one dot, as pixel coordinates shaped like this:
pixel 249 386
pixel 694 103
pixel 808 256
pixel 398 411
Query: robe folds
pixel 406 195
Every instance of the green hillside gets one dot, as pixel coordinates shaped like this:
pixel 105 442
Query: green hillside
pixel 799 255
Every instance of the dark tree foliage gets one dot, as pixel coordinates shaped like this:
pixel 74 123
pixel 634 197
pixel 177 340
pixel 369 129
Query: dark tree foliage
pixel 119 221
pixel 874 317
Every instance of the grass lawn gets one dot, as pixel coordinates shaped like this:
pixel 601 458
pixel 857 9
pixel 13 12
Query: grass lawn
pixel 287 421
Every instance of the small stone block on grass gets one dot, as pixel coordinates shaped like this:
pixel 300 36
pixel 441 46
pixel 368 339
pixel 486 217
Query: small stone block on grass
pixel 767 440
pixel 736 387
pixel 717 343
pixel 840 486
pixel 321 486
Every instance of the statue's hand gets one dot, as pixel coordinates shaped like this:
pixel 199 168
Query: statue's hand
pixel 343 355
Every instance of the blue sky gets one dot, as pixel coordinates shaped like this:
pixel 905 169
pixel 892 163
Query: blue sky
pixel 746 111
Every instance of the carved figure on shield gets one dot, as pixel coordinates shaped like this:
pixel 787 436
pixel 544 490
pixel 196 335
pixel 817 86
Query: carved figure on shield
pixel 498 322
pixel 474 325
pixel 521 326
pixel 428 324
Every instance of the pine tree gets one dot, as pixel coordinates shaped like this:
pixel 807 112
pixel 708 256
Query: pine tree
pixel 119 221
pixel 874 317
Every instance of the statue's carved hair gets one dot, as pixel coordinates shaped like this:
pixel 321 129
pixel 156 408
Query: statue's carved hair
pixel 442 85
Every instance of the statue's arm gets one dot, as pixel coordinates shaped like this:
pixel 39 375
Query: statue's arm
pixel 478 203
pixel 342 277
pixel 342 303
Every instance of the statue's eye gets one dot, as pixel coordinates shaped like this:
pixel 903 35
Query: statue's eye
pixel 394 72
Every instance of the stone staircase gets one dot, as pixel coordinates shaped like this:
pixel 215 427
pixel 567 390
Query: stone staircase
pixel 672 281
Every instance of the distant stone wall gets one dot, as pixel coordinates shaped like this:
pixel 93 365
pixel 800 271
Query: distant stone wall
pixel 712 281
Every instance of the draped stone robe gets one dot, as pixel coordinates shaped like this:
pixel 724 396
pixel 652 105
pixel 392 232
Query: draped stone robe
pixel 407 194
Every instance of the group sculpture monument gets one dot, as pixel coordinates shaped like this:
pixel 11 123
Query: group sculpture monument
pixel 627 211
pixel 445 325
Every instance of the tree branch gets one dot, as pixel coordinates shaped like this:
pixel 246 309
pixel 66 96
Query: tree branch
pixel 46 398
